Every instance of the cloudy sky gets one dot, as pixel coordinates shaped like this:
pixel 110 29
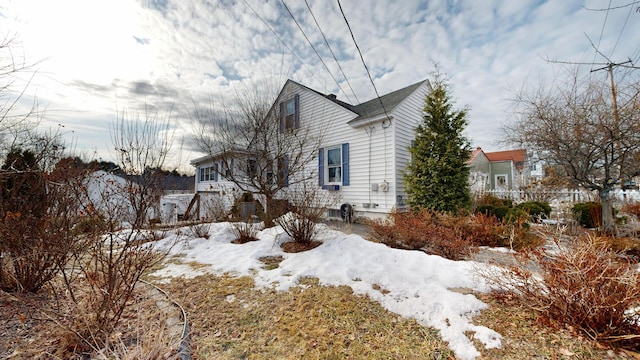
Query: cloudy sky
pixel 95 58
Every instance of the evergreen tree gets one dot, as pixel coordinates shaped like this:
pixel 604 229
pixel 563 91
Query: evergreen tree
pixel 437 176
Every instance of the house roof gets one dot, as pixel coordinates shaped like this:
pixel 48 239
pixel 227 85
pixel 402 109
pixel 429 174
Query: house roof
pixel 474 154
pixel 517 156
pixel 374 106
pixel 387 102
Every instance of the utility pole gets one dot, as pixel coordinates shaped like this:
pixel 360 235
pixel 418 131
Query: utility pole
pixel 616 118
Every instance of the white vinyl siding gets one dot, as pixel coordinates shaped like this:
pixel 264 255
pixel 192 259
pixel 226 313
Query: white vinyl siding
pixel 409 115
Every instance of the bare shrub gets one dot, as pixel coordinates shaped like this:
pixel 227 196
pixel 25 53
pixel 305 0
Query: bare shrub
pixel 200 230
pixel 632 209
pixel 214 207
pixel 431 232
pixel 109 271
pixel 100 281
pixel 39 213
pixel 583 285
pixel 308 205
pixel 245 232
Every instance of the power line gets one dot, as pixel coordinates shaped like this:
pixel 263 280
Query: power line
pixel 313 47
pixel 602 32
pixel 283 42
pixel 362 59
pixel 614 8
pixel 331 50
pixel 622 30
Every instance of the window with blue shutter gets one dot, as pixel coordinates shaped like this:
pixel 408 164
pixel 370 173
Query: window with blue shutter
pixel 290 114
pixel 321 167
pixel 345 164
pixel 333 166
pixel 283 170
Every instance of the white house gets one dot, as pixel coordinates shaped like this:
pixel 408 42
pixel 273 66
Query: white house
pixel 364 150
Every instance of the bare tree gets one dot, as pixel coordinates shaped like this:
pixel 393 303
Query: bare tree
pixel 101 280
pixel 577 126
pixel 260 147
pixel 142 146
pixel 16 118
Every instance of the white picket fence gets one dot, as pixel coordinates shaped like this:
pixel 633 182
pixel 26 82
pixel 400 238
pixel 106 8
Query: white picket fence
pixel 558 197
pixel 561 201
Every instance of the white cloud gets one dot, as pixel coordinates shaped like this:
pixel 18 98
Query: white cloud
pixel 127 53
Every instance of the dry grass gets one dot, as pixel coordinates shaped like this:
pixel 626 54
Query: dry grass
pixel 30 330
pixel 230 319
pixel 525 337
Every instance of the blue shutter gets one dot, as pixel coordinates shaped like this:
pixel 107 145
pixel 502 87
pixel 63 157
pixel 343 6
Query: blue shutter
pixel 215 172
pixel 286 170
pixel 296 124
pixel 345 164
pixel 321 167
pixel 283 114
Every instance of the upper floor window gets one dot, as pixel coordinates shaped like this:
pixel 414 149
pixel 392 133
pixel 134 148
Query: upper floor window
pixel 290 114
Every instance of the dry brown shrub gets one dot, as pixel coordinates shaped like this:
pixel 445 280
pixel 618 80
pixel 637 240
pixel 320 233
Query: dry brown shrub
pixel 433 233
pixel 632 209
pixel 583 285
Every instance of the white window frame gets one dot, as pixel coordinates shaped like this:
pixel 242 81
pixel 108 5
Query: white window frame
pixel 506 181
pixel 207 173
pixel 328 167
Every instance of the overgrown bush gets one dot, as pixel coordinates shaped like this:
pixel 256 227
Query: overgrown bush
pixel 491 210
pixel 488 199
pixel 632 208
pixel 38 212
pixel 433 233
pixel 503 209
pixel 627 247
pixel 588 214
pixel 452 236
pixel 583 285
pixel 536 209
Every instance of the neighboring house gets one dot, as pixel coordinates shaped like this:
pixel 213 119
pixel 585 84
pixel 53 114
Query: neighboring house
pixel 364 151
pixel 500 170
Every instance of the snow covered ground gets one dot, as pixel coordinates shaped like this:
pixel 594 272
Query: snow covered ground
pixel 410 283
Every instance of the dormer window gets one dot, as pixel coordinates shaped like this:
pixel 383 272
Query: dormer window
pixel 290 114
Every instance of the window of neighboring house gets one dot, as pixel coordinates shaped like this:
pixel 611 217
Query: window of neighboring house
pixel 290 114
pixel 209 173
pixel 252 168
pixel 226 170
pixel 282 174
pixel 501 181
pixel 333 165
